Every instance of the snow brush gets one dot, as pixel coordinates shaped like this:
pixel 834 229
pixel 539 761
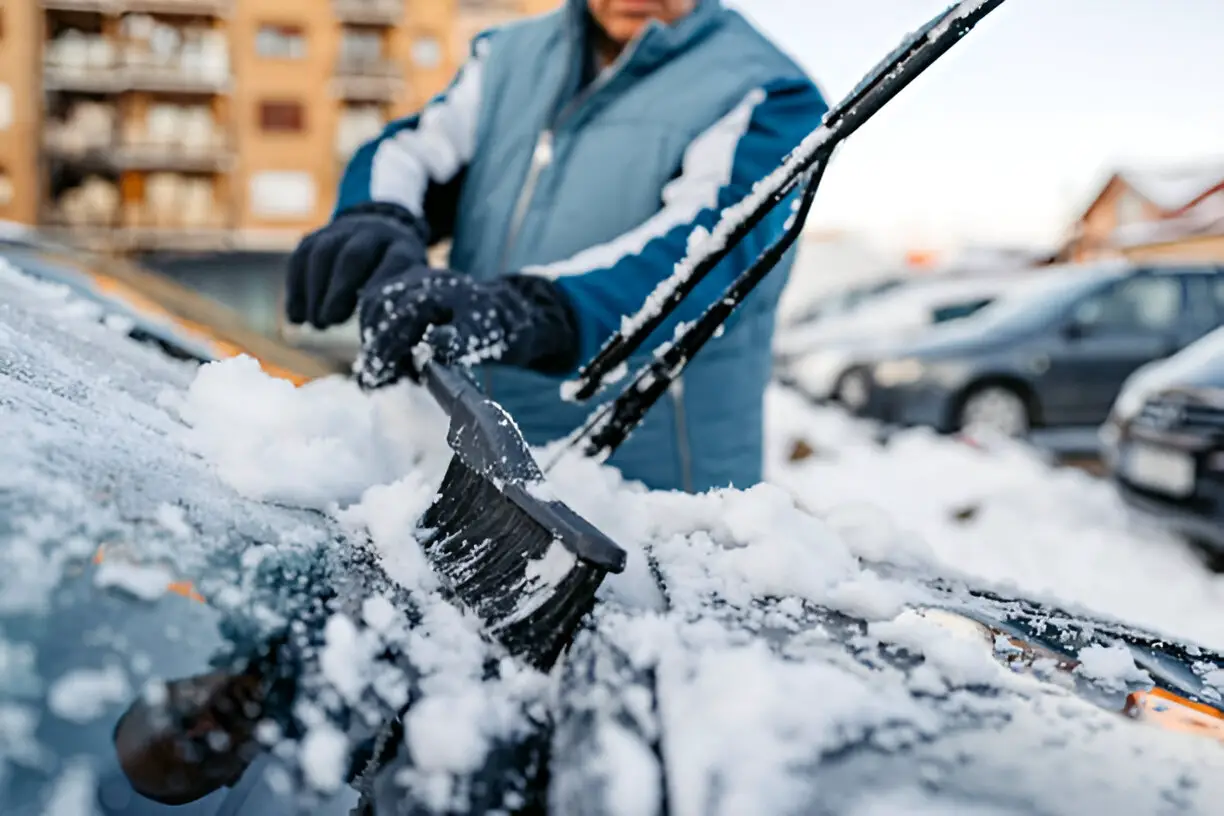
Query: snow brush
pixel 525 563
pixel 611 424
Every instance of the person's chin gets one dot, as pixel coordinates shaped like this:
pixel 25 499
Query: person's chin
pixel 626 28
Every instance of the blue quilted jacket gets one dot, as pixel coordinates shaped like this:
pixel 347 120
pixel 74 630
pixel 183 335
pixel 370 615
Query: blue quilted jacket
pixel 531 161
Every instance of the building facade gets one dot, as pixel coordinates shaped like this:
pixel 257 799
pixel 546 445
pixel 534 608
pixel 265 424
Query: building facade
pixel 1174 213
pixel 208 125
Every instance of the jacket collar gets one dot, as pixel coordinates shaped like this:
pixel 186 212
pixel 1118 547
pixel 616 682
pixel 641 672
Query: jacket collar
pixel 656 43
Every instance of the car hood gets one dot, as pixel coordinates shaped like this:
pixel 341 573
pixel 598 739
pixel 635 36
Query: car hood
pixel 783 669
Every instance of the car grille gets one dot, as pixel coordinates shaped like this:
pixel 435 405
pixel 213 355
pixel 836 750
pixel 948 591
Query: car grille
pixel 1176 415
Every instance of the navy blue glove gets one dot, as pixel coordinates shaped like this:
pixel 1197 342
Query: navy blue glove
pixel 362 246
pixel 517 320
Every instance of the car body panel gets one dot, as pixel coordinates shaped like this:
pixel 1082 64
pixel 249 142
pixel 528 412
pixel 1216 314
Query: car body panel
pixel 1070 375
pixel 1180 422
pixel 814 356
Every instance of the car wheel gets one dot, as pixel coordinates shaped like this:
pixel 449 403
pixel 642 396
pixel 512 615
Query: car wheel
pixel 853 390
pixel 995 409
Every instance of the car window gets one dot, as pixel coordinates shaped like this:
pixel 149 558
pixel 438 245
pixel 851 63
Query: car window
pixel 1205 299
pixel 1144 304
pixel 1217 296
pixel 955 311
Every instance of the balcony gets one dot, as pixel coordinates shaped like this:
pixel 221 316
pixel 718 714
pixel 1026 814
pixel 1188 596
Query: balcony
pixel 368 80
pixel 180 158
pixel 91 63
pixel 369 12
pixel 182 138
pixel 98 6
pixel 145 156
pixel 120 75
pixel 176 213
pixel 195 8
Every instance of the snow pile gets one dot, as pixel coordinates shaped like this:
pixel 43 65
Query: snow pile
pixel 1002 514
pixel 738 546
pixel 85 694
pixel 326 444
pixel 727 695
pixel 1111 666
pixel 777 646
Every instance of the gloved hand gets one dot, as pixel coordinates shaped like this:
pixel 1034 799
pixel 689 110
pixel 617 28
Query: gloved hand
pixel 518 320
pixel 362 246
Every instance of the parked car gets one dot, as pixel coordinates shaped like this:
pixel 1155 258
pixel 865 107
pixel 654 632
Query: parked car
pixel 155 308
pixel 844 301
pixel 167 650
pixel 1054 354
pixel 1163 444
pixel 815 357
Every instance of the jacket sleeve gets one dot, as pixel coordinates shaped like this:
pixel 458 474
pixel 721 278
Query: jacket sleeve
pixel 417 162
pixel 609 281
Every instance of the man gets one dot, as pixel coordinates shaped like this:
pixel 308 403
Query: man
pixel 569 161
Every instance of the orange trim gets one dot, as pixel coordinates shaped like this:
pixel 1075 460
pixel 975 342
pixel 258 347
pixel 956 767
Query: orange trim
pixel 1172 712
pixel 184 588
pixel 1202 707
pixel 223 348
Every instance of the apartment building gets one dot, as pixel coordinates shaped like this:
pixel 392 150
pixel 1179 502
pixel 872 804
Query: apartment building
pixel 138 126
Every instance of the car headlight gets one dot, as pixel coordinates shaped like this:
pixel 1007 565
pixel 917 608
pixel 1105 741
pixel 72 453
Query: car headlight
pixel 898 372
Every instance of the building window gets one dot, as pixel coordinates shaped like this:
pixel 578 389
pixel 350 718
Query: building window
pixel 280 42
pixel 282 117
pixel 427 53
pixel 284 194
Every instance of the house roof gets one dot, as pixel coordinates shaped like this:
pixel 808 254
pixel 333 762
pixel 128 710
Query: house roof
pixel 1202 219
pixel 1174 188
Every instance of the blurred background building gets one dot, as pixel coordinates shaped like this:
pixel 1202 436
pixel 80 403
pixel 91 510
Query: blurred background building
pixel 205 136
pixel 200 124
pixel 1173 212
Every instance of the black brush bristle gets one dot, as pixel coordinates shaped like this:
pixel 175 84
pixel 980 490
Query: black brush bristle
pixel 483 544
pixel 527 565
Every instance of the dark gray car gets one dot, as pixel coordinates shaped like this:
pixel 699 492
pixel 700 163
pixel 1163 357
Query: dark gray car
pixel 1052 354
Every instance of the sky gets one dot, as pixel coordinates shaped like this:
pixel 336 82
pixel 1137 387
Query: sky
pixel 1011 133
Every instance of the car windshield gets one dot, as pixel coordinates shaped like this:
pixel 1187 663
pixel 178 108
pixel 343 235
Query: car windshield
pixel 212 598
pixel 1040 299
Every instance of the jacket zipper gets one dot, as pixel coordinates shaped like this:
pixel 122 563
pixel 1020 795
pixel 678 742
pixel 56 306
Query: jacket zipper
pixel 541 157
pixel 543 154
pixel 682 442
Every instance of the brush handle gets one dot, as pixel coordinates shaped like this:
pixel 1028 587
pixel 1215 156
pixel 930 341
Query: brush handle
pixel 481 433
